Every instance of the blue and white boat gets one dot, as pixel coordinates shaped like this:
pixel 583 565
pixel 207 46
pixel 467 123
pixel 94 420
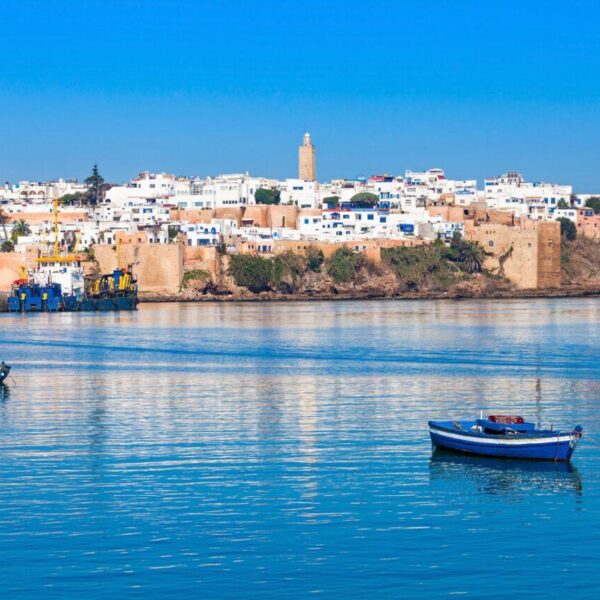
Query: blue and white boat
pixel 504 436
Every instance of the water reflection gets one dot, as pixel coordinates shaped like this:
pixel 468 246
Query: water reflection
pixel 499 476
pixel 191 447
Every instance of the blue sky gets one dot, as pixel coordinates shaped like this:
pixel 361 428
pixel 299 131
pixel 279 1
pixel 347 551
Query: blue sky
pixel 199 87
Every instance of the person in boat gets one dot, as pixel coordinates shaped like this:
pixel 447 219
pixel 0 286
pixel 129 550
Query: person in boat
pixel 4 371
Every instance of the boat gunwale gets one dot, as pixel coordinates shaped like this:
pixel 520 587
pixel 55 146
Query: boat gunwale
pixel 522 437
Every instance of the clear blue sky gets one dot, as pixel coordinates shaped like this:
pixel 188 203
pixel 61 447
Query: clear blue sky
pixel 197 87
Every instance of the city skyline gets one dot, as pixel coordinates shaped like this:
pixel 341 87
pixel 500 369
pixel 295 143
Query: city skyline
pixel 476 90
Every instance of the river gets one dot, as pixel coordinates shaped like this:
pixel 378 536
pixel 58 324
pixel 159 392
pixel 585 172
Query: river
pixel 280 450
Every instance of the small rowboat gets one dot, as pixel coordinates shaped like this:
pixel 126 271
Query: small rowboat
pixel 504 436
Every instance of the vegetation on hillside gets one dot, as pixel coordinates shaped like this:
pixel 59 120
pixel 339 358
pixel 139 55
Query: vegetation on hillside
pixel 344 264
pixel 252 272
pixel 568 230
pixel 285 273
pixel 194 275
pixel 430 266
pixel 434 266
pixel 314 259
pixel 580 261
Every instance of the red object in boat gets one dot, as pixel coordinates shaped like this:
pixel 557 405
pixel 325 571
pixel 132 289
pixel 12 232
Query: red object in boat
pixel 506 419
pixel 18 282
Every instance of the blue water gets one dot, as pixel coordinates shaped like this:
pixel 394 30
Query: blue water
pixel 281 451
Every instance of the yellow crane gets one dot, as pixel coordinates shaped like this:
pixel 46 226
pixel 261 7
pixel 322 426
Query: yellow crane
pixel 57 257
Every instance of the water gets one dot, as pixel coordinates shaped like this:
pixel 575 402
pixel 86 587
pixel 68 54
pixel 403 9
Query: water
pixel 280 451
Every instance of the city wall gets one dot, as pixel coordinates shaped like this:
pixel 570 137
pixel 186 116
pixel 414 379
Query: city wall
pixel 259 215
pixel 528 254
pixel 35 218
pixel 157 267
pixel 12 264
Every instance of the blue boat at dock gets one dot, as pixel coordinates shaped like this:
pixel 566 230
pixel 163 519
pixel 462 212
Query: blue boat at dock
pixel 112 292
pixel 504 436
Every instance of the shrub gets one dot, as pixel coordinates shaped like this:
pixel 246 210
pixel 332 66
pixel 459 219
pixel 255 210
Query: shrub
pixel 194 275
pixel 364 200
pixel 314 259
pixel 288 269
pixel 264 196
pixel 252 272
pixel 331 201
pixel 593 203
pixel 344 264
pixel 426 265
pixel 568 230
pixel 7 246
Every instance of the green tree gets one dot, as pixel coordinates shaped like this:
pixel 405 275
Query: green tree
pixel 471 257
pixel 7 246
pixel 344 264
pixel 265 196
pixel 568 230
pixel 94 182
pixel 594 203
pixel 19 228
pixel 173 232
pixel 364 200
pixel 563 204
pixel 252 272
pixel 314 259
pixel 76 199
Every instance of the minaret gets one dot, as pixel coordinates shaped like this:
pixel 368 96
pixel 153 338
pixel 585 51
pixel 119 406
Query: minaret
pixel 307 160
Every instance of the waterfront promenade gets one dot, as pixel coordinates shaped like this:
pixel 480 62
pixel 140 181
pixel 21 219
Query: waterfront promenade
pixel 280 450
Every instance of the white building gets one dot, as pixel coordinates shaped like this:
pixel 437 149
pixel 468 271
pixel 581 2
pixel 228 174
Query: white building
pixel 534 200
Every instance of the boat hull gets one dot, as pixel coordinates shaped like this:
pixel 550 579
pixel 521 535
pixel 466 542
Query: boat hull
pixel 558 447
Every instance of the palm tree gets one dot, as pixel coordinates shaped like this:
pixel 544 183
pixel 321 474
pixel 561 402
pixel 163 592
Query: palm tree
pixel 3 221
pixel 471 257
pixel 19 228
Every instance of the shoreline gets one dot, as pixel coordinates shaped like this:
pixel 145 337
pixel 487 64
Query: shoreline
pixel 571 292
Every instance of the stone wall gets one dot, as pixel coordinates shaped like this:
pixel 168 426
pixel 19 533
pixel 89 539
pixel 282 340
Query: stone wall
pixel 64 216
pixel 260 215
pixel 205 258
pixel 12 263
pixel 460 214
pixel 528 254
pixel 370 248
pixel 157 267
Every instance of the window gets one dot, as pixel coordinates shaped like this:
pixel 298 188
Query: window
pixel 370 217
pixel 491 243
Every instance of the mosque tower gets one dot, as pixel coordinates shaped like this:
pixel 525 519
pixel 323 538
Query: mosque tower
pixel 307 160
